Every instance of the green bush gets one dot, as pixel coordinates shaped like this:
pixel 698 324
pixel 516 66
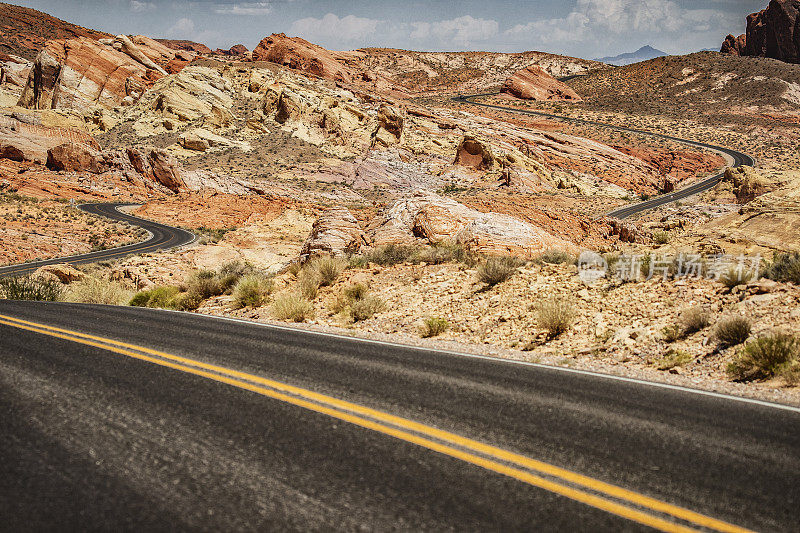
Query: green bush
pixel 732 331
pixel 445 252
pixel 497 269
pixel 391 254
pixel 230 273
pixel 661 237
pixel 204 284
pixel 355 302
pixel 252 290
pixel 433 326
pixel 772 355
pixel 784 267
pixel 674 358
pixel 672 333
pixel 292 307
pixel 164 297
pixel 555 315
pixel 30 288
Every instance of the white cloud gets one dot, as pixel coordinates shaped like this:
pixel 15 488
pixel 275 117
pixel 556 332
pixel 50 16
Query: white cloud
pixel 140 7
pixel 185 29
pixel 331 27
pixel 459 31
pixel 246 8
pixel 600 23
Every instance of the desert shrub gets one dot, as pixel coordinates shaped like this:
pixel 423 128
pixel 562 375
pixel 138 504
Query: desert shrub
pixel 555 315
pixel 97 291
pixel 784 267
pixel 734 277
pixel 672 333
pixel 497 269
pixel 309 284
pixel 292 307
pixel 356 291
pixel 365 308
pixel 732 331
pixel 661 237
pixel 433 326
pixel 327 269
pixel 30 288
pixel 555 257
pixel 252 290
pixel 765 357
pixel 185 301
pixel 693 320
pixel 230 273
pixel 674 358
pixel 445 252
pixel 158 297
pixel 204 284
pixel 391 254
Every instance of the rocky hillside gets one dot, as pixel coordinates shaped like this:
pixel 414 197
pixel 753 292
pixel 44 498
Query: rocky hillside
pixel 462 71
pixel 24 31
pixel 705 84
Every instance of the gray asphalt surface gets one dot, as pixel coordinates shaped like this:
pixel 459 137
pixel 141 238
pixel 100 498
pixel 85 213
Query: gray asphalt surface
pixel 738 158
pixel 162 237
pixel 94 440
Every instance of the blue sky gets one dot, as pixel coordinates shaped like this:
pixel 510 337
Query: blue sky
pixel 583 28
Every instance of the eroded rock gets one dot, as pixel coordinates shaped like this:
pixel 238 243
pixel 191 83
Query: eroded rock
pixel 336 232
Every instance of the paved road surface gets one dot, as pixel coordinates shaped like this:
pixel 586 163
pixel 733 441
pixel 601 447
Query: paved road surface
pixel 733 157
pixel 162 237
pixel 173 421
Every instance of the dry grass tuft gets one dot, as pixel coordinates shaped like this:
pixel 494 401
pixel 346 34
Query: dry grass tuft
pixel 97 291
pixel 433 326
pixel 555 315
pixel 775 354
pixel 497 269
pixel 732 331
pixel 252 290
pixel 292 307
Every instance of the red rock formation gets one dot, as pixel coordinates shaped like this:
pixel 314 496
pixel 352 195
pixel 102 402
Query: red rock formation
pixel 533 83
pixel 234 51
pixel 73 157
pixel 773 32
pixel 188 46
pixel 733 45
pixel 26 142
pixel 24 31
pixel 299 54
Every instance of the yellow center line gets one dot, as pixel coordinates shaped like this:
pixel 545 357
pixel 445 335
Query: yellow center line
pixel 334 407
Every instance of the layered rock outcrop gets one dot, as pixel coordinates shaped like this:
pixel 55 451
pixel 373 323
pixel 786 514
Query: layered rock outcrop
pixel 299 54
pixel 79 73
pixel 773 32
pixel 434 218
pixel 28 142
pixel 533 83
pixel 336 232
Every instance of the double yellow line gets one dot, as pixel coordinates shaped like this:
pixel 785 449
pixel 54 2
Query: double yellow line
pixel 610 498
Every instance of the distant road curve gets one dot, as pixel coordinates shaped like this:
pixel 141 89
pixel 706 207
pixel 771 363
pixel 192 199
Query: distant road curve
pixel 162 237
pixel 734 158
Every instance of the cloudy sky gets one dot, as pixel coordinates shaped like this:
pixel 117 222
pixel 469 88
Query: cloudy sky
pixel 583 28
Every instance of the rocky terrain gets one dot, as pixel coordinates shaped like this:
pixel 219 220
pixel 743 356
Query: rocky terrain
pixel 290 154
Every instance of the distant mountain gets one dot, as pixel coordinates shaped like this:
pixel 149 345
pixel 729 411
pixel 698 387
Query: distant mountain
pixel 642 54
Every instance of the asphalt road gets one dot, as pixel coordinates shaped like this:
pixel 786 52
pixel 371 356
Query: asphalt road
pixel 162 237
pixel 733 157
pixel 201 423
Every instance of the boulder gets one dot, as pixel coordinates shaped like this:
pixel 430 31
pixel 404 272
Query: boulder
pixel 533 83
pixel 236 50
pixel 496 234
pixel 200 140
pixel 475 154
pixel 63 272
pixel 28 142
pixel 733 45
pixel 390 126
pixel 74 157
pixel 166 169
pixel 336 232
pixel 299 54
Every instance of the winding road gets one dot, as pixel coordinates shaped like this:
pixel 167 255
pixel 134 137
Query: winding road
pixel 122 418
pixel 162 237
pixel 734 158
